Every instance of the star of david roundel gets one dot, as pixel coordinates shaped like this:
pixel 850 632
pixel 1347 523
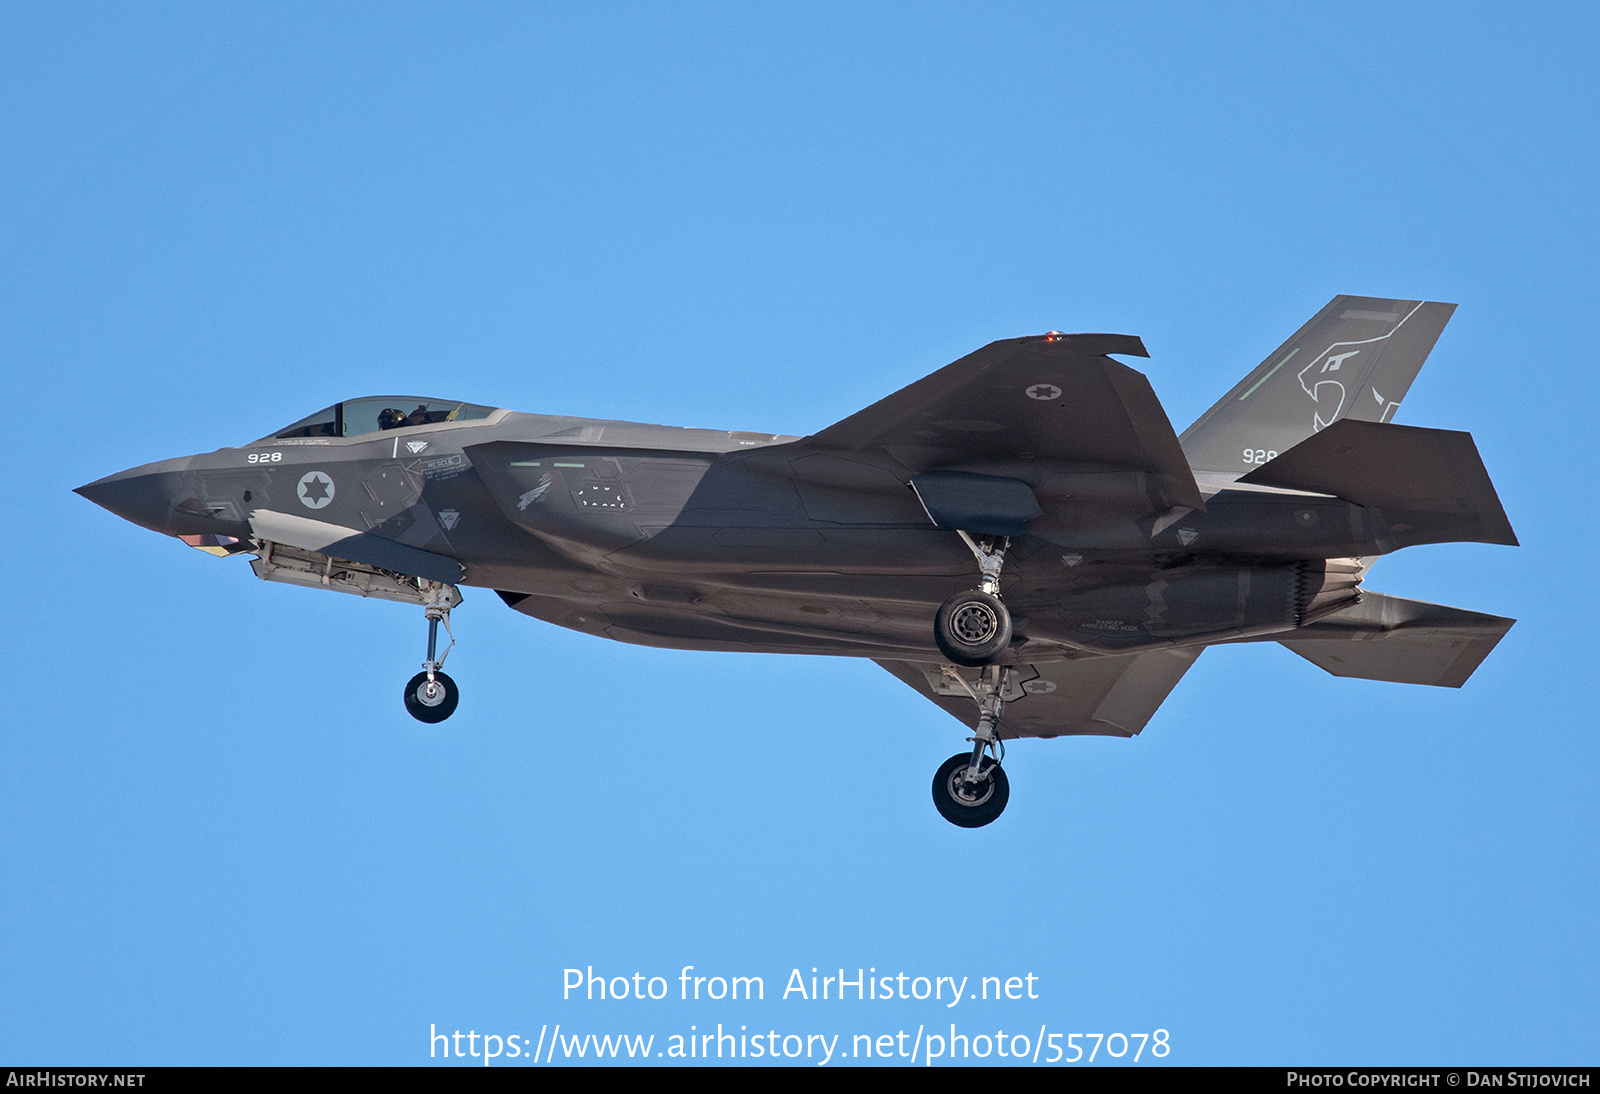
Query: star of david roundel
pixel 316 489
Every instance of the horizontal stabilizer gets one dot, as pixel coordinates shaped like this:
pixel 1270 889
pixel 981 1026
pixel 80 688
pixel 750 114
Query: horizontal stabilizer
pixel 1402 641
pixel 1430 484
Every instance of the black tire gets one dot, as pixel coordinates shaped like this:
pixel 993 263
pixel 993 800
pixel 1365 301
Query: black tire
pixel 431 708
pixel 972 628
pixel 978 806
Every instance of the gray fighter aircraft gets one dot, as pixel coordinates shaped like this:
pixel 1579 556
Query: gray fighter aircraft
pixel 1020 536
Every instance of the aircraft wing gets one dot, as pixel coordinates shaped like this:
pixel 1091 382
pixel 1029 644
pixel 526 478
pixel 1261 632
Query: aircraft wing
pixel 1102 696
pixel 1055 397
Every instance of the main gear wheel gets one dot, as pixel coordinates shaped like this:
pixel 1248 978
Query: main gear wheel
pixel 966 801
pixel 972 628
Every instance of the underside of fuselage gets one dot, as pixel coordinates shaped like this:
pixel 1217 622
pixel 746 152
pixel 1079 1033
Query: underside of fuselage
pixel 1063 607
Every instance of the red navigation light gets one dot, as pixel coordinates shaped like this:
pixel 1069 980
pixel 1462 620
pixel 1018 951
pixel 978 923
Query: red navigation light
pixel 1053 336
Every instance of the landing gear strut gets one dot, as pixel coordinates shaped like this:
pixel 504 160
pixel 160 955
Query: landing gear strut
pixel 431 696
pixel 971 790
pixel 973 627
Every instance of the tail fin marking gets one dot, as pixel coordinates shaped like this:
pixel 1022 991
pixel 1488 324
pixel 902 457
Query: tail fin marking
pixel 1354 347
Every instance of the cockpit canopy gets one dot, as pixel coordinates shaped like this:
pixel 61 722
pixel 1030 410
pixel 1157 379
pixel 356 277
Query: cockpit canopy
pixel 356 417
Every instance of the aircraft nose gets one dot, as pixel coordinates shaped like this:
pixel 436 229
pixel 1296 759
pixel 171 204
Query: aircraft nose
pixel 143 495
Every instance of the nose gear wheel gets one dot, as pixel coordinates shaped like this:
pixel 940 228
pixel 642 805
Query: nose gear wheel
pixel 431 696
pixel 434 700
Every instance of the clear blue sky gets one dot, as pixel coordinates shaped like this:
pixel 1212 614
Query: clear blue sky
pixel 222 840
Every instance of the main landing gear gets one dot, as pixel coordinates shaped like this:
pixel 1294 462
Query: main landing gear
pixel 431 696
pixel 971 789
pixel 973 627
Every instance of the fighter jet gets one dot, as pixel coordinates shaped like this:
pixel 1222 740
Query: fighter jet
pixel 1020 536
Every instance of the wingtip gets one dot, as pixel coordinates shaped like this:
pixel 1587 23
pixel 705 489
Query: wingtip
pixel 1094 343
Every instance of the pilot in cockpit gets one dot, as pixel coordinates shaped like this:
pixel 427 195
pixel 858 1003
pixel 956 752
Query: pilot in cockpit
pixel 390 418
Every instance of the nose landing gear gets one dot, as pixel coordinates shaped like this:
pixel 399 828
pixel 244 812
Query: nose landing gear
pixel 971 790
pixel 431 696
pixel 973 627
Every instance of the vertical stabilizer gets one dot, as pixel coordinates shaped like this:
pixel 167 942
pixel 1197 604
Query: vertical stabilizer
pixel 1356 359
